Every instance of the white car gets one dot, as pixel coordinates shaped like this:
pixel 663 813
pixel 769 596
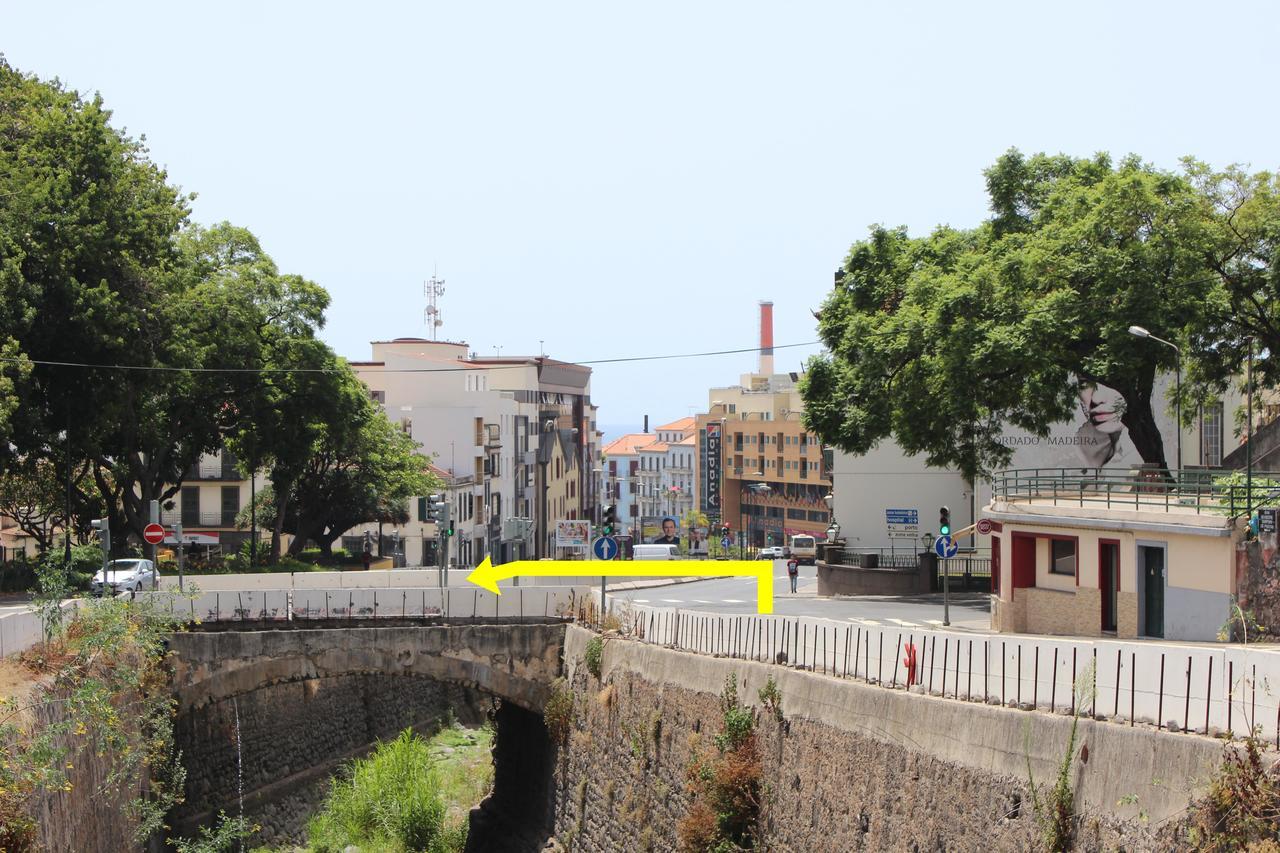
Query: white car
pixel 774 553
pixel 127 576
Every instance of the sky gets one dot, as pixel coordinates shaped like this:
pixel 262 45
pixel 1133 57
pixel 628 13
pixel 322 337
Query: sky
pixel 606 179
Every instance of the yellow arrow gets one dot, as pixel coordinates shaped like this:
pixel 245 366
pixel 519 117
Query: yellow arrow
pixel 486 575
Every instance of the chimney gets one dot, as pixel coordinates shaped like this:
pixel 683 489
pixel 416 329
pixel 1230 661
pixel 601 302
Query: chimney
pixel 766 338
pixel 646 424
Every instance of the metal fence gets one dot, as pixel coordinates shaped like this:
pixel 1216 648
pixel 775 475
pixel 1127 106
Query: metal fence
pixel 1200 491
pixel 1196 688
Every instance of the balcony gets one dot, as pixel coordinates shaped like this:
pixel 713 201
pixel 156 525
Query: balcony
pixel 205 518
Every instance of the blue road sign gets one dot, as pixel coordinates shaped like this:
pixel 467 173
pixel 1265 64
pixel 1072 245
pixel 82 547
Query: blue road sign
pixel 945 547
pixel 605 547
pixel 724 542
pixel 902 516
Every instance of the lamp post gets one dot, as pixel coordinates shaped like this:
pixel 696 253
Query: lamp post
pixel 757 489
pixel 1140 332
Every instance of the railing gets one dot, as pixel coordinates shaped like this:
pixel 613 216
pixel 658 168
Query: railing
pixel 204 518
pixel 1200 491
pixel 1196 688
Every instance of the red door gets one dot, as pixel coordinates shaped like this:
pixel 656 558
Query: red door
pixel 1024 561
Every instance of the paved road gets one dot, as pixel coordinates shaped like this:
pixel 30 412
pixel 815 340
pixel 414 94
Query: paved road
pixel 969 611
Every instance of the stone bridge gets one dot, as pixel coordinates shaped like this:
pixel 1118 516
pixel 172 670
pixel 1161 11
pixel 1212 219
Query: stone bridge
pixel 515 663
pixel 277 710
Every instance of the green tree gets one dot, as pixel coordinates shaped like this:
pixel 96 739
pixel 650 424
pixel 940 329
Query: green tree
pixel 360 468
pixel 84 218
pixel 943 341
pixel 1244 215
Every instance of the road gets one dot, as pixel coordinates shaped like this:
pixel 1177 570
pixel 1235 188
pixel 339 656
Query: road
pixel 969 611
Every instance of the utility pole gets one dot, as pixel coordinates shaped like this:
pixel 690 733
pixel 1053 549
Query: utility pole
pixel 433 289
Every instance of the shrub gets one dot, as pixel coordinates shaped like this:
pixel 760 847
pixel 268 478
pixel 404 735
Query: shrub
pixel 594 656
pixel 725 784
pixel 1242 809
pixel 558 713
pixel 391 798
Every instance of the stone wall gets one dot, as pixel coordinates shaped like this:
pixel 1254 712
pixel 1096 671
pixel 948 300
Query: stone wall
pixel 293 736
pixel 852 766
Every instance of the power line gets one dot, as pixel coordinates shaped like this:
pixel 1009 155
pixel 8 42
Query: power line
pixel 287 370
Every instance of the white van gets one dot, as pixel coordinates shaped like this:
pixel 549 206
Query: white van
pixel 655 552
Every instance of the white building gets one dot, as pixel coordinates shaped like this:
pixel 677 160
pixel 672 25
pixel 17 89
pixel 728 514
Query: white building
pixel 480 421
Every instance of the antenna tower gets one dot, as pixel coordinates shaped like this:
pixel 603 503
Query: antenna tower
pixel 433 289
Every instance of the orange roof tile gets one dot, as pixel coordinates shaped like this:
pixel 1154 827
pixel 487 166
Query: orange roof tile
pixel 656 447
pixel 680 425
pixel 688 439
pixel 629 443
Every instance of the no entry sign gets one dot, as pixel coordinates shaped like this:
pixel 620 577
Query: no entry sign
pixel 153 533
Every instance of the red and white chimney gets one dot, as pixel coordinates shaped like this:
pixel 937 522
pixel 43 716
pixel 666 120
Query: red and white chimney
pixel 766 338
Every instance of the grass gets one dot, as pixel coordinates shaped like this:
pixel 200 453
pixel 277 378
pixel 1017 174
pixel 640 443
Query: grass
pixel 411 794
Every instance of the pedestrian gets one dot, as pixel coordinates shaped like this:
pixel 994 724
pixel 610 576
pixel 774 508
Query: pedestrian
pixel 367 558
pixel 793 572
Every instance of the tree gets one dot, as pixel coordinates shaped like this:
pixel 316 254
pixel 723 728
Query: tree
pixel 1244 216
pixel 360 468
pixel 84 217
pixel 943 341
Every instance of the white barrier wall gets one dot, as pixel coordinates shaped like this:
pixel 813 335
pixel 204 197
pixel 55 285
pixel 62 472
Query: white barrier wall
pixel 354 603
pixel 1199 687
pixel 21 630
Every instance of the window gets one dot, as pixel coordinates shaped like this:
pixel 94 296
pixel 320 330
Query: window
pixel 379 397
pixel 1211 435
pixel 1062 556
pixel 230 505
pixel 191 506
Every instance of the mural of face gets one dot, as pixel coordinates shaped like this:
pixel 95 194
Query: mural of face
pixel 1103 407
pixel 1099 435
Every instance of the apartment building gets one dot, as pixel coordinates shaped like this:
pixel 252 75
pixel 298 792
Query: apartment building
pixel 485 419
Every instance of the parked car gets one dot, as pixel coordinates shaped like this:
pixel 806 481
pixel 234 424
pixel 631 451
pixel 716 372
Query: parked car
pixel 773 553
pixel 127 576
pixel 655 552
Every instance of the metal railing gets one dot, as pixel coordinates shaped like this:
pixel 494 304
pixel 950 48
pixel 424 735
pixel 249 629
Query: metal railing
pixel 1200 491
pixel 202 518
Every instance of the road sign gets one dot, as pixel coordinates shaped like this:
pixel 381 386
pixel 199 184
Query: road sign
pixel 902 516
pixel 604 547
pixel 153 533
pixel 985 526
pixel 724 542
pixel 945 547
pixel 1267 520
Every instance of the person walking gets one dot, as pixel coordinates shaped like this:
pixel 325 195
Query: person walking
pixel 793 572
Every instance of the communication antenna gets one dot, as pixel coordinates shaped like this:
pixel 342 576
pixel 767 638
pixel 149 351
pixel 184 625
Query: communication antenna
pixel 433 289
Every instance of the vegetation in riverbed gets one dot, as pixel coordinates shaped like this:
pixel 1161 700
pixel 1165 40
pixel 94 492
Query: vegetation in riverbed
pixel 411 794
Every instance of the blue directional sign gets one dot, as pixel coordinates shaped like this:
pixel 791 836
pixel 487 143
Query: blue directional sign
pixel 604 547
pixel 902 516
pixel 724 542
pixel 945 547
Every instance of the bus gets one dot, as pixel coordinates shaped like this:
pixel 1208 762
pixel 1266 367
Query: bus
pixel 804 548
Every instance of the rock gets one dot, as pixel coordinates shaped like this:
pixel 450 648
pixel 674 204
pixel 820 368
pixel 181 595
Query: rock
pixel 1172 725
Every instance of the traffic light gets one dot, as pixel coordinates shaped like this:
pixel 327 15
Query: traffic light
pixel 446 519
pixel 435 507
pixel 103 526
pixel 944 521
pixel 609 521
pixel 724 530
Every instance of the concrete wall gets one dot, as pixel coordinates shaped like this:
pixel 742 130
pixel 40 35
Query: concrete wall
pixel 885 478
pixel 853 580
pixel 852 766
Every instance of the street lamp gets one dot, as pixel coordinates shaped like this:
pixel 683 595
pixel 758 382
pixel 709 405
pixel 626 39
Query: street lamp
pixel 757 489
pixel 1140 332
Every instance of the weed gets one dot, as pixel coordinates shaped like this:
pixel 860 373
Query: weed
pixel 1242 809
pixel 593 656
pixel 771 698
pixel 725 784
pixel 1055 807
pixel 557 715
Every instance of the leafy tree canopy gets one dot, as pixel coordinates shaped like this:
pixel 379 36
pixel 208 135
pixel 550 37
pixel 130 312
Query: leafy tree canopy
pixel 941 341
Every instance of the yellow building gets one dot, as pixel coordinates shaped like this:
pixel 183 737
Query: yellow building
pixel 1093 553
